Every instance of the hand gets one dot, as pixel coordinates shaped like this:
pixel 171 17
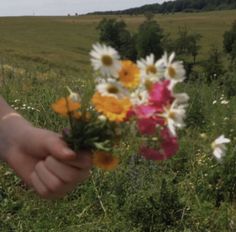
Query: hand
pixel 41 158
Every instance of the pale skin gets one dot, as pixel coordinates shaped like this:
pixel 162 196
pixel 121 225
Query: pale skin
pixel 40 157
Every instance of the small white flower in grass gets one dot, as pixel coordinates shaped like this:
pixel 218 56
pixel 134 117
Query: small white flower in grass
pixel 174 70
pixel 224 102
pixel 214 102
pixel 112 88
pixel 106 60
pixel 219 147
pixel 174 117
pixel 150 69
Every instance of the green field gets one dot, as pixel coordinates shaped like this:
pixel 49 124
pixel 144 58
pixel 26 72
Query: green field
pixel 191 192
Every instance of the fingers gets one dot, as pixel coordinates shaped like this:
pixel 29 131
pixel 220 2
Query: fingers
pixel 65 172
pixel 83 160
pixel 52 178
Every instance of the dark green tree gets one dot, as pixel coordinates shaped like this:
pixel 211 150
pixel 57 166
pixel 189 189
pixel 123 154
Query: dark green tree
pixel 188 43
pixel 148 39
pixel 230 41
pixel 114 33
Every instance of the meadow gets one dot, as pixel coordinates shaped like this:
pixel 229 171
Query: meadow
pixel 191 192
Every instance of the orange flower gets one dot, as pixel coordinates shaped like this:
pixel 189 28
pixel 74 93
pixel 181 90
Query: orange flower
pixel 129 74
pixel 66 106
pixel 105 161
pixel 114 109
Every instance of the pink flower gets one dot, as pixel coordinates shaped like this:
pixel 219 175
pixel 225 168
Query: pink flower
pixel 169 146
pixel 144 111
pixel 150 154
pixel 160 95
pixel 146 126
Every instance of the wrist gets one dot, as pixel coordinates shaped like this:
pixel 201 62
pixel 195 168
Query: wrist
pixel 13 128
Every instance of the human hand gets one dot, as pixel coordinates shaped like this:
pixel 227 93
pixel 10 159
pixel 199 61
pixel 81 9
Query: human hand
pixel 41 158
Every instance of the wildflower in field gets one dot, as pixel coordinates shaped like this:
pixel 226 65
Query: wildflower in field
pixel 105 160
pixel 224 102
pixel 214 102
pixel 129 74
pixel 66 106
pixel 114 109
pixel 150 69
pixel 106 60
pixel 174 69
pixel 219 147
pixel 112 88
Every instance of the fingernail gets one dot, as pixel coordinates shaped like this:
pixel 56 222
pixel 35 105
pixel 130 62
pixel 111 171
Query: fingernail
pixel 68 152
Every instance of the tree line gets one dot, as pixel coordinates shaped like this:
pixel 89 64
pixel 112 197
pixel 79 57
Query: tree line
pixel 177 6
pixel 151 38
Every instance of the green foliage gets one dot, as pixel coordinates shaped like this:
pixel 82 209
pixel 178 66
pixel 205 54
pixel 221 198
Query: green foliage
pixel 148 39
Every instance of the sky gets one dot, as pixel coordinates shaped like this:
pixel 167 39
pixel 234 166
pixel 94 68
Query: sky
pixel 64 7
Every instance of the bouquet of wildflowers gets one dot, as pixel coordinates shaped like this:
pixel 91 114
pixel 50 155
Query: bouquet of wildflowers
pixel 129 99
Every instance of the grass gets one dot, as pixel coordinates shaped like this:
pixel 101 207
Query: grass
pixel 190 192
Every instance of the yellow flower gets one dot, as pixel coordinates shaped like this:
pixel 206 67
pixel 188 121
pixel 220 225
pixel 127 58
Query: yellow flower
pixel 114 109
pixel 129 74
pixel 105 161
pixel 66 106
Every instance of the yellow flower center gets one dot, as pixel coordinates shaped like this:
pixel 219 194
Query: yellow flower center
pixel 151 69
pixel 171 114
pixel 171 72
pixel 112 89
pixel 107 60
pixel 148 85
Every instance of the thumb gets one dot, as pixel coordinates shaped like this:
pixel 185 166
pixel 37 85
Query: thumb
pixel 56 147
pixel 43 143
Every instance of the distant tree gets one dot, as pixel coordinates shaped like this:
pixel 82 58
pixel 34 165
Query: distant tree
pixel 188 43
pixel 115 33
pixel 149 15
pixel 76 14
pixel 148 39
pixel 230 41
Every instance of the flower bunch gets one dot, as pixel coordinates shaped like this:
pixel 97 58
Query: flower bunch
pixel 130 99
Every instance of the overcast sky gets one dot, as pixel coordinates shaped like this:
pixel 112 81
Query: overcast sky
pixel 63 7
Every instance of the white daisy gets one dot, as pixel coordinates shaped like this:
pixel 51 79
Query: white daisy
pixel 219 147
pixel 174 70
pixel 112 88
pixel 139 96
pixel 174 117
pixel 181 99
pixel 106 60
pixel 150 69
